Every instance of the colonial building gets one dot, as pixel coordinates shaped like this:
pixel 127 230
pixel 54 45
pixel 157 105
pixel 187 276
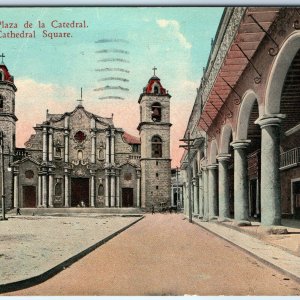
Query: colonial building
pixel 80 159
pixel 245 121
pixel 176 189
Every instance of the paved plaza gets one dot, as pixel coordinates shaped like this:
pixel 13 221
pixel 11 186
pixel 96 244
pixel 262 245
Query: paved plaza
pixel 164 254
pixel 33 245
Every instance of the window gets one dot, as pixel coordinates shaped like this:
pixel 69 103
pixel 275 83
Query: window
pixel 157 162
pixel 156 112
pixel 29 174
pixel 156 89
pixel 79 155
pixel 156 146
pixel 58 189
pixel 156 174
pixel 1 102
pixel 1 76
pixel 79 136
pixel 135 148
pixel 157 187
pixel 127 176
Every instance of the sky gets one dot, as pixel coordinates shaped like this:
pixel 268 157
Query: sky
pixel 113 56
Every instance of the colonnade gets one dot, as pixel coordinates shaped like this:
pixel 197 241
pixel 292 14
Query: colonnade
pixel 210 198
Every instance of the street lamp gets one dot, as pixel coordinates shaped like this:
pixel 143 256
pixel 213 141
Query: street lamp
pixel 177 190
pixel 188 147
pixel 2 175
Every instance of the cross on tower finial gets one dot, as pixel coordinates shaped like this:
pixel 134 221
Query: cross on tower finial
pixel 154 69
pixel 2 56
pixel 80 100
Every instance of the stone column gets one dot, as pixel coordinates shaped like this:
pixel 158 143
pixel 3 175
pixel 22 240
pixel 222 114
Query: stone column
pixel 118 189
pixel 270 175
pixel 241 198
pixel 200 193
pixel 224 213
pixel 40 190
pixel 112 146
pixel 16 189
pixel 212 191
pixel 44 193
pixel 92 200
pixel 112 190
pixel 50 145
pixel 106 192
pixel 67 188
pixel 205 193
pixel 138 188
pixel 93 153
pixel 50 190
pixel 107 148
pixel 45 150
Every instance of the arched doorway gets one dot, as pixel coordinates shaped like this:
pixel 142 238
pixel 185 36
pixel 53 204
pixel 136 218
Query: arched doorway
pixel 281 134
pixel 247 160
pixel 226 174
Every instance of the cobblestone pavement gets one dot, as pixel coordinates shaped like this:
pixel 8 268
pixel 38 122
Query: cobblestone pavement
pixel 31 246
pixel 164 254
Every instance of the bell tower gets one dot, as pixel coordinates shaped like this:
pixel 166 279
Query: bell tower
pixel 7 127
pixel 154 129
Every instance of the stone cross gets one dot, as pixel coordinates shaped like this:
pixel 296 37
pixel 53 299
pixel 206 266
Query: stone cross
pixel 154 69
pixel 2 56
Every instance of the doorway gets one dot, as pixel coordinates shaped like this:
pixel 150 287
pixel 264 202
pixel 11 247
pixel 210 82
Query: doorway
pixel 80 192
pixel 127 197
pixel 296 198
pixel 254 200
pixel 29 196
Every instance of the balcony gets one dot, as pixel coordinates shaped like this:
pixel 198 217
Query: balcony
pixel 135 156
pixel 19 154
pixel 290 158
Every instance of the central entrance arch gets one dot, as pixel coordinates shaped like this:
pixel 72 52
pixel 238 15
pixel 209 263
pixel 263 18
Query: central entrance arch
pixel 80 192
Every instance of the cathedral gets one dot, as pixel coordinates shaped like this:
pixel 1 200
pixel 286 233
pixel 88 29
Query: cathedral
pixel 80 159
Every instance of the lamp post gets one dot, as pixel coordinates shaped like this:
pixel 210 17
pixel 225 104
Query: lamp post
pixel 2 175
pixel 188 147
pixel 177 189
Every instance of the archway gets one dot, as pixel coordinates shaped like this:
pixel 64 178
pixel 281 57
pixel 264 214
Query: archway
pixel 213 203
pixel 282 100
pixel 247 147
pixel 226 173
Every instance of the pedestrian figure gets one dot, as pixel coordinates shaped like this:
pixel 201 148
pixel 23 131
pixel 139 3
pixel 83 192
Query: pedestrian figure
pixel 18 211
pixel 152 209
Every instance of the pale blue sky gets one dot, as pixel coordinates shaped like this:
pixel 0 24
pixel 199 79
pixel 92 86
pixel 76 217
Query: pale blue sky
pixel 65 61
pixel 177 40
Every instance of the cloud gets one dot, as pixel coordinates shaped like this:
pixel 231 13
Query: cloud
pixel 174 26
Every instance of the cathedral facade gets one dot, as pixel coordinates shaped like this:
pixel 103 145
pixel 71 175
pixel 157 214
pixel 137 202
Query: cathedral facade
pixel 80 159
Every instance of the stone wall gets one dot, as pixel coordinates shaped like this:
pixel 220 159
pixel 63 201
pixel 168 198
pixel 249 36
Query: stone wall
pixel 155 182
